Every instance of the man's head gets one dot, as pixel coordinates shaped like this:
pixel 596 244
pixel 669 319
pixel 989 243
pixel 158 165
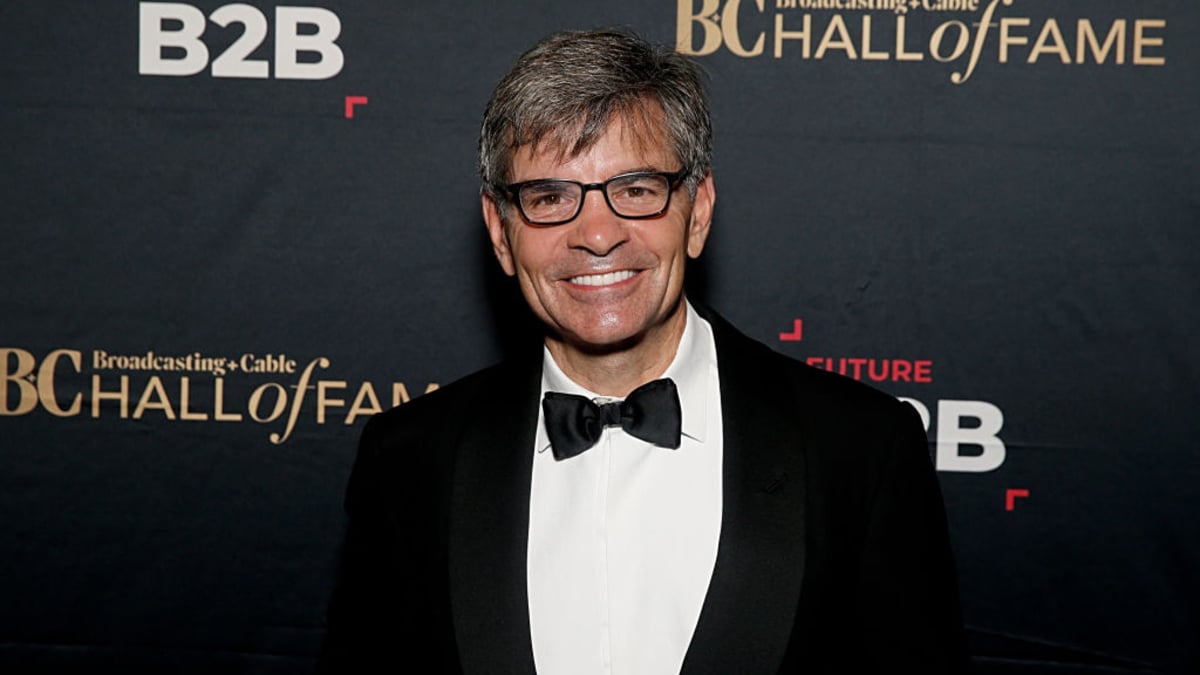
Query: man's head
pixel 605 113
pixel 564 92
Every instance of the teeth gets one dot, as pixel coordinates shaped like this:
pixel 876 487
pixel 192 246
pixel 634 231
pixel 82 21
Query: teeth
pixel 602 279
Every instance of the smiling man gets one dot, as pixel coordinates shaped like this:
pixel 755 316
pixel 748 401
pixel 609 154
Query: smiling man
pixel 601 248
pixel 648 491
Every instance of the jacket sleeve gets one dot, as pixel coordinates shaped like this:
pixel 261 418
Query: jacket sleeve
pixel 907 599
pixel 388 611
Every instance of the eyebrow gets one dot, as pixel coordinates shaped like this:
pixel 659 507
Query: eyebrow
pixel 641 169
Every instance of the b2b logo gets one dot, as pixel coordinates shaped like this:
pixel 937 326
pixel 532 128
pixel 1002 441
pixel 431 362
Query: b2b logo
pixel 169 41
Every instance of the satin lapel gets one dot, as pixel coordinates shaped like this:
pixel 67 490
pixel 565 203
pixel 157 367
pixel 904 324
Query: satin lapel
pixel 751 603
pixel 489 524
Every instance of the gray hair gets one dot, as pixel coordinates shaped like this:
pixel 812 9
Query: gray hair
pixel 564 92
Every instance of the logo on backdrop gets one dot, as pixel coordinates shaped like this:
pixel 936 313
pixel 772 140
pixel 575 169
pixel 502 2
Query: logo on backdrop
pixel 274 390
pixel 170 41
pixel 967 433
pixel 960 33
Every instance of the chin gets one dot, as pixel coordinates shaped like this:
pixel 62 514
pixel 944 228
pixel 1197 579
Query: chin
pixel 605 344
pixel 598 338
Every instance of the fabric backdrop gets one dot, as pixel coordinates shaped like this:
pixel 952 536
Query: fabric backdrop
pixel 231 232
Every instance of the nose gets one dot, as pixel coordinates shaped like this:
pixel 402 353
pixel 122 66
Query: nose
pixel 597 229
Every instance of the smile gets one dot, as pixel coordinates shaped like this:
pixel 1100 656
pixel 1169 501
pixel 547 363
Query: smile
pixel 605 279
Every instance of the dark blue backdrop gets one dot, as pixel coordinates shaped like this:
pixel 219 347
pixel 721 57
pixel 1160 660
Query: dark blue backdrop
pixel 1024 238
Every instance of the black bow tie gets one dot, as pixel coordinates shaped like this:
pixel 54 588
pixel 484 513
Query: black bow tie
pixel 651 412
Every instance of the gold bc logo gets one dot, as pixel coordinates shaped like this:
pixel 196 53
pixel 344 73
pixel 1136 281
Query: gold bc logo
pixel 965 34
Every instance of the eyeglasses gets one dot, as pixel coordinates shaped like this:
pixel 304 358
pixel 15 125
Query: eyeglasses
pixel 554 201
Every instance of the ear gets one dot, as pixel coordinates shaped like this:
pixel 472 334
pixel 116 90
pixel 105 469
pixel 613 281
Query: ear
pixel 495 226
pixel 702 215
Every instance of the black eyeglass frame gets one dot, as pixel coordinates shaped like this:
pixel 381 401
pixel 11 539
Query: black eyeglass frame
pixel 674 178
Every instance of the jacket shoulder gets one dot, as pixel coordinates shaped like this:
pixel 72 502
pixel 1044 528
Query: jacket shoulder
pixel 444 404
pixel 825 394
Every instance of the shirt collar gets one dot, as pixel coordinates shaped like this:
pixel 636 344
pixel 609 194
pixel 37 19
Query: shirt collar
pixel 691 369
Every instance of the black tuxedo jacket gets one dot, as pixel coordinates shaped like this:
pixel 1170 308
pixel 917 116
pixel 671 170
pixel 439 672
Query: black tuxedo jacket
pixel 833 553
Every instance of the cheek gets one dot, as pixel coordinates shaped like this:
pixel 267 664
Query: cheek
pixel 674 246
pixel 534 250
pixel 530 262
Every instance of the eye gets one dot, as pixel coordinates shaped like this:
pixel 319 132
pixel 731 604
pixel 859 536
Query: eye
pixel 638 188
pixel 545 199
pixel 548 199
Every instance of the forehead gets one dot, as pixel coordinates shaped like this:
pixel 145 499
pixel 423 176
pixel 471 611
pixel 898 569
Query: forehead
pixel 631 140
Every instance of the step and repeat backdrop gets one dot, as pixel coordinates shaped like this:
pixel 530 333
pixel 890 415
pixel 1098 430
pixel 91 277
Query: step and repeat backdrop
pixel 231 232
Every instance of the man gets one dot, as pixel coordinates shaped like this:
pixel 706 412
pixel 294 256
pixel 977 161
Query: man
pixel 648 490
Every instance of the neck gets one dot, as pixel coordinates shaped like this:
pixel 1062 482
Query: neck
pixel 617 372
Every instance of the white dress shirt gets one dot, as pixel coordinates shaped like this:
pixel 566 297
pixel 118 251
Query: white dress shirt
pixel 623 538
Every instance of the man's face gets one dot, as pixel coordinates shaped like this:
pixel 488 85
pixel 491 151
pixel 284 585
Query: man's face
pixel 602 282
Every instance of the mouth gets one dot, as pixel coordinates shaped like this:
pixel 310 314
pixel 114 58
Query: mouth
pixel 606 279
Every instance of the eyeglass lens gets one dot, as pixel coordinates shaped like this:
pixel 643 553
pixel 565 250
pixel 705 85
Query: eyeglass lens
pixel 631 196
